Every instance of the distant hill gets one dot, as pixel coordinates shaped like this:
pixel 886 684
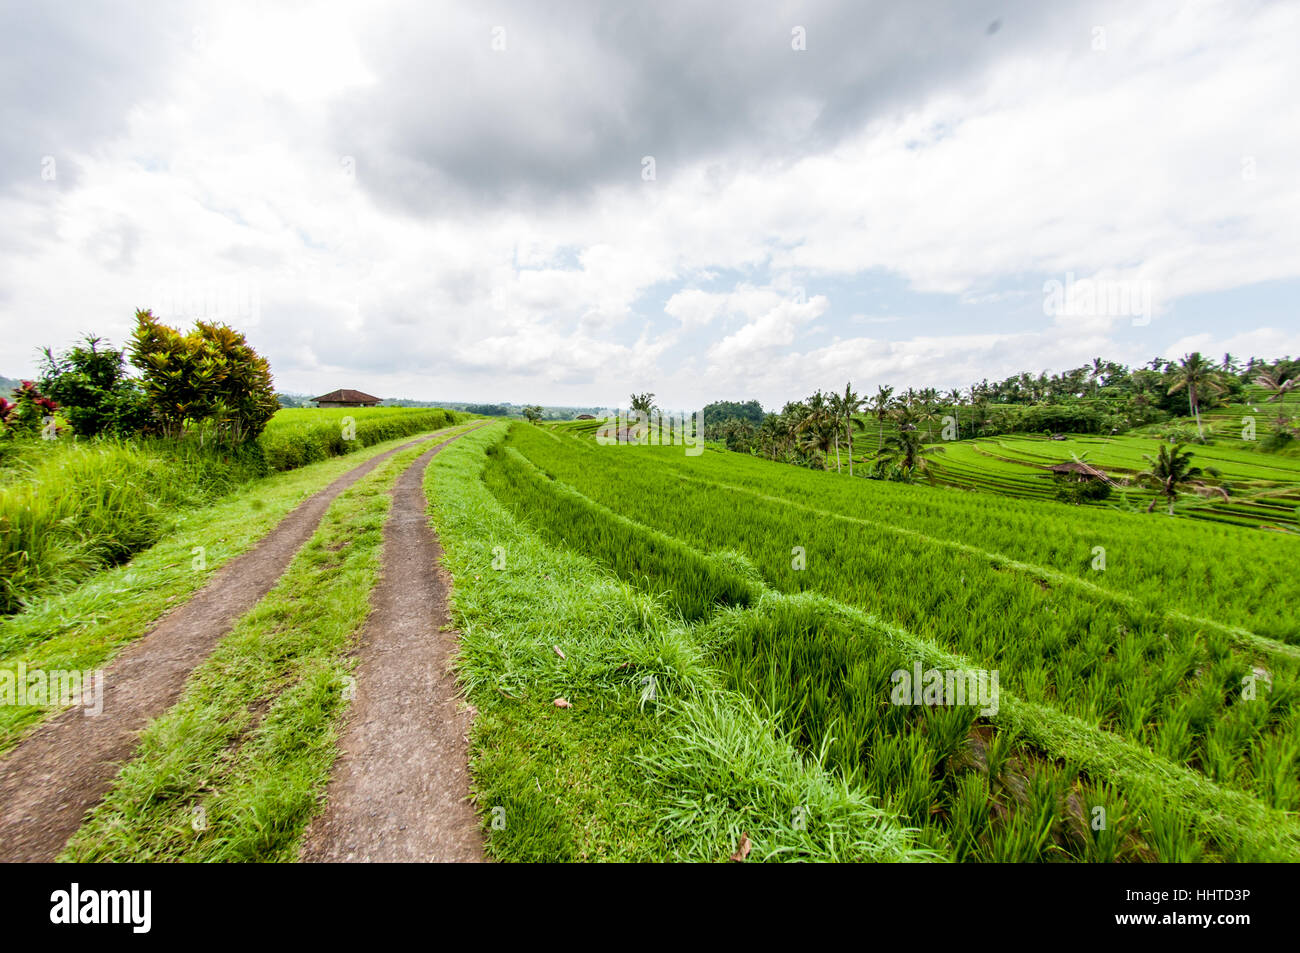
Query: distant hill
pixel 7 384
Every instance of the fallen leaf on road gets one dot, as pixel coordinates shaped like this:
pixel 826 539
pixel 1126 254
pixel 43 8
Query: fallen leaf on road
pixel 559 651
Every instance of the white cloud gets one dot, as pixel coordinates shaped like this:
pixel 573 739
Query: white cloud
pixel 1126 164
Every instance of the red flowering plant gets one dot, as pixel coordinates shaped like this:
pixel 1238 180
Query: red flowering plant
pixel 31 415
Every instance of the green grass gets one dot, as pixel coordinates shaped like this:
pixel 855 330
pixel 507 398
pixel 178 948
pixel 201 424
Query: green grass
pixel 84 627
pixel 302 435
pixel 1078 658
pixel 248 748
pixel 626 773
pixel 69 509
pixel 1123 664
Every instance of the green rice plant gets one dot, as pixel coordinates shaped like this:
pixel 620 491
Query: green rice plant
pixel 910 776
pixel 1123 663
pixel 618 775
pixel 692 584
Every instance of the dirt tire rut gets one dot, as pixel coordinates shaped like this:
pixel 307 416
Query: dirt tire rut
pixel 65 765
pixel 400 787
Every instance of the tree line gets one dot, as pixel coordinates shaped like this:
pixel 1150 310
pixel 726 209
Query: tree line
pixel 1100 398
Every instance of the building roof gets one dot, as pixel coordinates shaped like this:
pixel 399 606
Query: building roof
pixel 1078 466
pixel 345 396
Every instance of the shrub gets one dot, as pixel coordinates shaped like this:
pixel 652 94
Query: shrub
pixel 1069 490
pixel 209 379
pixel 97 396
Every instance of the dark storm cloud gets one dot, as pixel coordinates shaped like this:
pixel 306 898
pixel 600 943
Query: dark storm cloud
pixel 583 91
pixel 69 73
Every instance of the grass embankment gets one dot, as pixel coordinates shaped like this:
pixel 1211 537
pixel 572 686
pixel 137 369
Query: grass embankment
pixel 71 508
pixel 83 628
pixel 236 769
pixel 656 759
pixel 1024 783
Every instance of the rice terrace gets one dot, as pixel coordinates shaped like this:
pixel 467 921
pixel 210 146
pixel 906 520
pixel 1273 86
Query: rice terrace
pixel 754 442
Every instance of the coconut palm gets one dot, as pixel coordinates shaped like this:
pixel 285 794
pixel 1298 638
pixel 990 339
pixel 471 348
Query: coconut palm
pixel 1276 381
pixel 849 405
pixel 1171 471
pixel 1198 377
pixel 880 405
pixel 927 402
pixel 956 400
pixel 907 451
pixel 773 435
pixel 1096 373
pixel 819 427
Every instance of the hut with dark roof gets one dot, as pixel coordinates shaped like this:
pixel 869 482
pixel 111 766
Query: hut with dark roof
pixel 345 398
pixel 1078 470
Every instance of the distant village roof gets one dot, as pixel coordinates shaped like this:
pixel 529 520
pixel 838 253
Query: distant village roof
pixel 346 396
pixel 585 417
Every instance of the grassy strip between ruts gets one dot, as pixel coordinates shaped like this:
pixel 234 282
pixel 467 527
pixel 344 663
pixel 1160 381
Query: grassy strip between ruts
pixel 1185 815
pixel 655 760
pixel 236 769
pixel 84 628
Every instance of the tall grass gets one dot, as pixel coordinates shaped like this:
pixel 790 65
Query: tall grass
pixel 70 508
pixel 299 436
pixel 68 511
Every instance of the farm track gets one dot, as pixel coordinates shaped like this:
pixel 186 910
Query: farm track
pixel 400 788
pixel 64 767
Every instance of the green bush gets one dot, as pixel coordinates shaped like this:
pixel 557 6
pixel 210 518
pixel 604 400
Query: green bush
pixel 1069 490
pixel 97 396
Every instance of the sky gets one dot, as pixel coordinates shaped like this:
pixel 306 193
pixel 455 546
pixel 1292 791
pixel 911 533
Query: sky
pixel 569 202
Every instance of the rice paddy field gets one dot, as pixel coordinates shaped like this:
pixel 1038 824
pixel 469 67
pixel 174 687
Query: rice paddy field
pixel 1148 667
pixel 1264 487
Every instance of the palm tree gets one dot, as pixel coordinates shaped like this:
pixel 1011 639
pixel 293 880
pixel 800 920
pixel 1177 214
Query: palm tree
pixel 1198 377
pixel 927 402
pixel 1096 371
pixel 835 405
pixel 880 405
pixel 769 435
pixel 1171 470
pixel 906 449
pixel 1276 381
pixel 849 405
pixel 819 428
pixel 955 400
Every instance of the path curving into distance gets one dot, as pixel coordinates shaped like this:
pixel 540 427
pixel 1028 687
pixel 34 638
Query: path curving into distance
pixel 400 786
pixel 66 765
